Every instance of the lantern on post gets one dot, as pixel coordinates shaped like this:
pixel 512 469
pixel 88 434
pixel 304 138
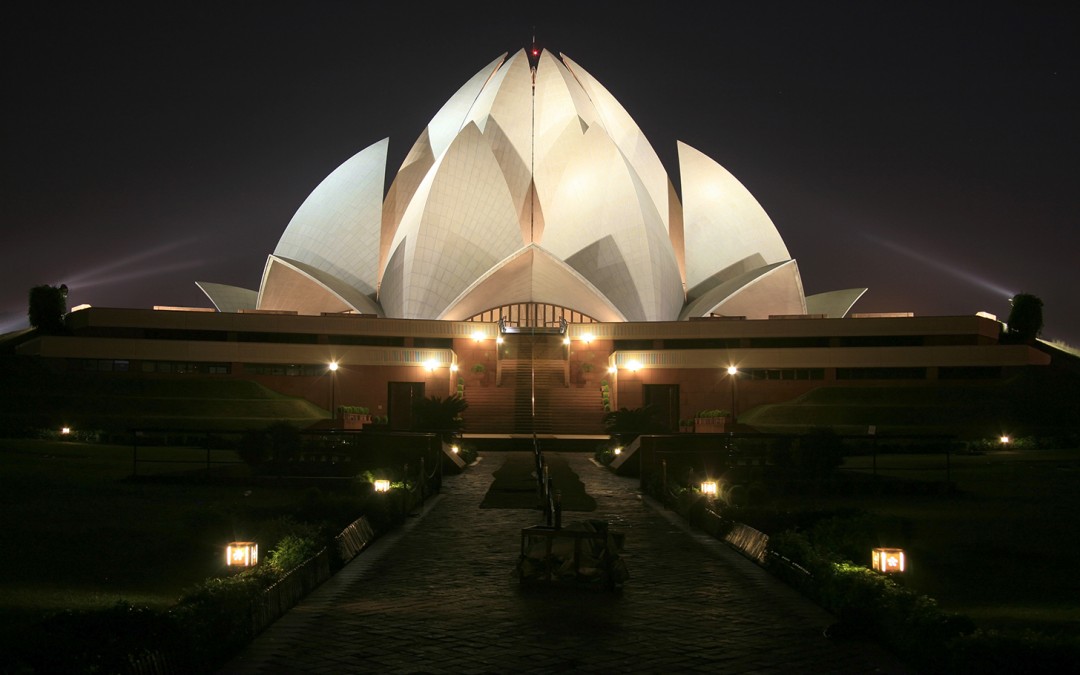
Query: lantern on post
pixel 382 485
pixel 889 560
pixel 242 554
pixel 710 489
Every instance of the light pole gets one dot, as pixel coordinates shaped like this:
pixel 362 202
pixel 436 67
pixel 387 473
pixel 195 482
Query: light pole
pixel 732 372
pixel 333 386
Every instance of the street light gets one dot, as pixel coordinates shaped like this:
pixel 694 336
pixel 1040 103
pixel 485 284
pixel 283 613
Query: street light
pixel 732 371
pixel 333 385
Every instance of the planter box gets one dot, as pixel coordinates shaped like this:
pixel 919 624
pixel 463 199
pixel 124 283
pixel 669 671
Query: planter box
pixel 710 425
pixel 354 420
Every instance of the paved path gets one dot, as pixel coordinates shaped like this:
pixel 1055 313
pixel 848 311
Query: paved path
pixel 440 596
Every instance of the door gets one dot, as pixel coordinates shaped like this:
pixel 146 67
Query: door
pixel 664 399
pixel 400 399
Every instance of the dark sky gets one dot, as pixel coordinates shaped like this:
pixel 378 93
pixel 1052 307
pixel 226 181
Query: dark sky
pixel 928 151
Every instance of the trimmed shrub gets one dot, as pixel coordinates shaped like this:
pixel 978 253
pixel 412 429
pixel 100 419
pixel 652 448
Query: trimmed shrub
pixel 98 641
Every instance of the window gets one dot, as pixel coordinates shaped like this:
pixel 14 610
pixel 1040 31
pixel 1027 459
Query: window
pixel 881 373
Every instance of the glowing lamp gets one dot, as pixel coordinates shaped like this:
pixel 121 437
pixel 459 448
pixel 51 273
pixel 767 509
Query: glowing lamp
pixel 431 365
pixel 455 449
pixel 617 451
pixel 633 366
pixel 65 431
pixel 566 340
pixel 888 560
pixel 613 369
pixel 453 367
pixel 586 337
pixel 499 340
pixel 382 485
pixel 1004 440
pixel 709 489
pixel 242 554
pixel 732 370
pixel 332 366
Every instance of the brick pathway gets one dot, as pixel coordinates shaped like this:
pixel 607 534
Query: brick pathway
pixel 440 596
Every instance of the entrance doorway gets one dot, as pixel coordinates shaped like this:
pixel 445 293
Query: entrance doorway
pixel 664 399
pixel 400 398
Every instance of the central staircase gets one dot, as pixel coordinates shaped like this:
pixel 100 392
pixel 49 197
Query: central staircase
pixel 532 394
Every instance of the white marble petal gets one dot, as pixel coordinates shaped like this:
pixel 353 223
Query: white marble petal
pixel 461 223
pixel 227 298
pixel 626 134
pixel 337 227
pixel 834 304
pixel 722 222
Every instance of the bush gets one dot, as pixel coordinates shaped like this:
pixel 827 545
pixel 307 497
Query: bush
pixel 97 641
pixel 216 614
pixel 291 552
pixel 715 412
pixel 1026 652
pixel 467 453
pixel 865 602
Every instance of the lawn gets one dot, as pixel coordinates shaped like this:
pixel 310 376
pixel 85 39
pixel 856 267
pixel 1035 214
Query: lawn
pixel 1002 550
pixel 75 532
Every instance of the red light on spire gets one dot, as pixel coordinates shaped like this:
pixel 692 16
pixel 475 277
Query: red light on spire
pixel 534 51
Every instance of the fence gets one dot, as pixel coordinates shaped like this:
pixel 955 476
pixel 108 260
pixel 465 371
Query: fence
pixel 314 453
pixel 685 459
pixel 302 580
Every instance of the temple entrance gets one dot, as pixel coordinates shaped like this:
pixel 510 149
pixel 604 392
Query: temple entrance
pixel 664 399
pixel 400 398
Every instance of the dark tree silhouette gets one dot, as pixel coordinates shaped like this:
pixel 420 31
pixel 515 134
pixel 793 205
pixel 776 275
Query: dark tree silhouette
pixel 627 424
pixel 1025 317
pixel 440 415
pixel 48 304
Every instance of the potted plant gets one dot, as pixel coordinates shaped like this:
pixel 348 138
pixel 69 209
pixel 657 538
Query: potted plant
pixel 710 421
pixel 478 371
pixel 353 416
pixel 588 372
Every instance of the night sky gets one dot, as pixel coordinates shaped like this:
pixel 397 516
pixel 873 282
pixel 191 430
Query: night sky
pixel 928 151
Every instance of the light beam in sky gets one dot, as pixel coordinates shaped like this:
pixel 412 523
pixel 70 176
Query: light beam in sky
pixel 942 266
pixel 119 270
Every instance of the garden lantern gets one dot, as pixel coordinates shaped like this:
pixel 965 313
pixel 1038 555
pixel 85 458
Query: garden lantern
pixel 242 554
pixel 709 489
pixel 889 560
pixel 382 485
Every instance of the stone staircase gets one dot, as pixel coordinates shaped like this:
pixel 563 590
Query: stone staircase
pixel 508 408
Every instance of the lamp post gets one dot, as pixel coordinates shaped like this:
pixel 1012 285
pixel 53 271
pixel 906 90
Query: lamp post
pixel 732 372
pixel 333 385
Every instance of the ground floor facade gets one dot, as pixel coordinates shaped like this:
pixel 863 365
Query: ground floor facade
pixel 563 376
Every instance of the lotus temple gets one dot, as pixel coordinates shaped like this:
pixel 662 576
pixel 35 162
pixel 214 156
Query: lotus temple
pixel 533 255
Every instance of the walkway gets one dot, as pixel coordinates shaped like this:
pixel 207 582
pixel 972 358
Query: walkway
pixel 440 596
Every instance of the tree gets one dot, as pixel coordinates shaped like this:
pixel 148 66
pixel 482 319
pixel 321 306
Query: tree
pixel 628 424
pixel 440 415
pixel 47 307
pixel 1025 317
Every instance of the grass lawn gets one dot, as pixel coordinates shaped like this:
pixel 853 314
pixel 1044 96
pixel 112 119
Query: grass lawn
pixel 75 533
pixel 1004 550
